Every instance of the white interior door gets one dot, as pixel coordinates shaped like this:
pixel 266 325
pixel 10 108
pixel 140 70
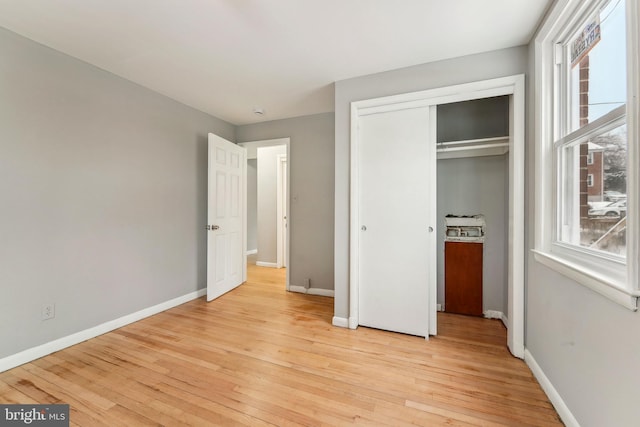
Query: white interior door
pixel 397 199
pixel 226 214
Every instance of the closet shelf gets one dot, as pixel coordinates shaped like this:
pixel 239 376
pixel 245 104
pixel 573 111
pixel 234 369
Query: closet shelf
pixel 473 147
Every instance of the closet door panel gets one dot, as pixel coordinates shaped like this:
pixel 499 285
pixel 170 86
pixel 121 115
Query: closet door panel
pixel 395 166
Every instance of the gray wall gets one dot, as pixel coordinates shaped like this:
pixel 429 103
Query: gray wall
pixel 479 118
pixel 103 186
pixel 252 204
pixel 483 66
pixel 477 185
pixel 311 183
pixel 586 345
pixel 267 202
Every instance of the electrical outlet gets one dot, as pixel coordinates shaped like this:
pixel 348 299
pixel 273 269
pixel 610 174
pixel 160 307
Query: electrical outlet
pixel 439 307
pixel 48 311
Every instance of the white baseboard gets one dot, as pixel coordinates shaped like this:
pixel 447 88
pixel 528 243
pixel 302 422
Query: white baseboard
pixel 505 322
pixel 34 353
pixel 321 292
pixel 495 314
pixel 340 322
pixel 313 291
pixel 251 252
pixel 563 410
pixel 353 323
pixel 266 264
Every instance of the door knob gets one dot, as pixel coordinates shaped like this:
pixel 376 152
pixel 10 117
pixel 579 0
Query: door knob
pixel 363 228
pixel 430 229
pixel 213 227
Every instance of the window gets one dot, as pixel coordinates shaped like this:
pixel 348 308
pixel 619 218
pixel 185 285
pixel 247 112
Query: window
pixel 588 89
pixel 591 92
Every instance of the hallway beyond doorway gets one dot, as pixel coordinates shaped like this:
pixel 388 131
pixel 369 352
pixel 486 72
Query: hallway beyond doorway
pixel 257 274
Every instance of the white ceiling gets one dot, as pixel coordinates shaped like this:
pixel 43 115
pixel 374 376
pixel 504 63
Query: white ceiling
pixel 225 57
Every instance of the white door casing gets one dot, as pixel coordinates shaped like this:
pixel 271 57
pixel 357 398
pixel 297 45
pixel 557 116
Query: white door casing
pixel 396 182
pixel 226 217
pixel 282 225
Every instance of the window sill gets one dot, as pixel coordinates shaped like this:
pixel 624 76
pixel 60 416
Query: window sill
pixel 590 279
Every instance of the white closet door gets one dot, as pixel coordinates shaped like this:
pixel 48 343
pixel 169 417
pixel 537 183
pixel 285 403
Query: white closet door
pixel 396 210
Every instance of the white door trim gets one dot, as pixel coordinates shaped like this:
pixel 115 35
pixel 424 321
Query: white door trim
pixel 281 208
pixel 512 85
pixel 252 147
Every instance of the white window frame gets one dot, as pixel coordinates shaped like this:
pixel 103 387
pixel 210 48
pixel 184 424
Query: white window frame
pixel 611 277
pixel 590 158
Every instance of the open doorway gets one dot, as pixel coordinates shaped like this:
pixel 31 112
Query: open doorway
pixel 267 210
pixel 472 214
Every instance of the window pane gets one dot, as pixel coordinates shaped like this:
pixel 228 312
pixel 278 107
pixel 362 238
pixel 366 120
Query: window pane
pixel 593 196
pixel 597 59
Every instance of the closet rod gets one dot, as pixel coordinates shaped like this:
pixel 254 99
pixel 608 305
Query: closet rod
pixel 472 147
pixel 475 141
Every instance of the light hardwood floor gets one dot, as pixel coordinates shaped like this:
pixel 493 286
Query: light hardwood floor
pixel 262 356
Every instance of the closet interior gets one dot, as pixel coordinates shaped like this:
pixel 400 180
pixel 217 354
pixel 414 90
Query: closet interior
pixel 473 180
